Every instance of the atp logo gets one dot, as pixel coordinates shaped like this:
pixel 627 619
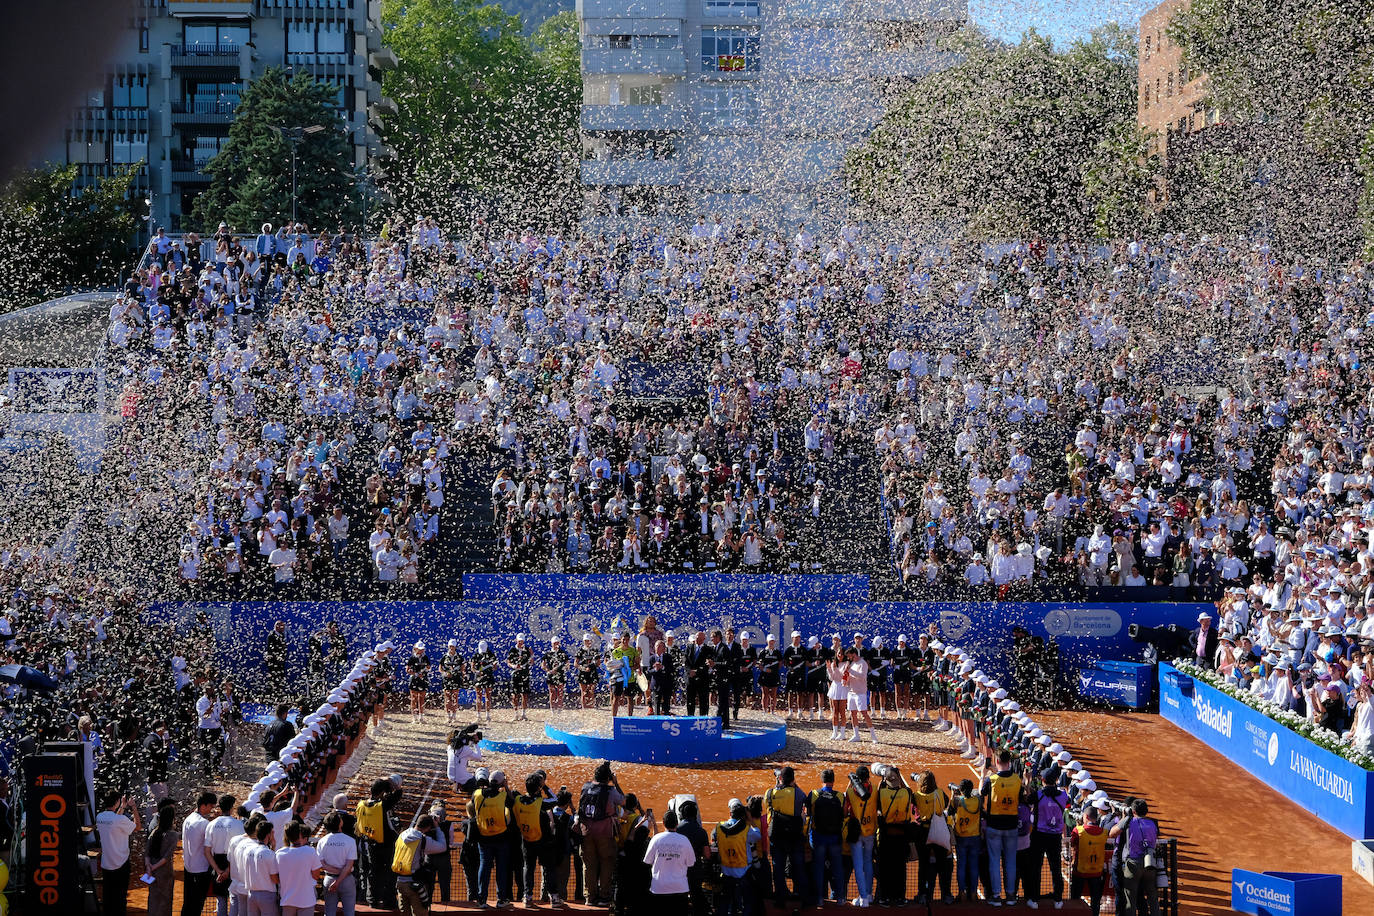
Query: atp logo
pixel 1273 747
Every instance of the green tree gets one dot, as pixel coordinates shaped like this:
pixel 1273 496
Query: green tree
pixel 1299 76
pixel 58 241
pixel 484 123
pixel 251 174
pixel 1013 141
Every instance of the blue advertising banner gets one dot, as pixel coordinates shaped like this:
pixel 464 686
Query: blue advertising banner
pixel 1118 683
pixel 1331 787
pixel 1281 893
pixel 664 727
pixel 1083 634
pixel 642 588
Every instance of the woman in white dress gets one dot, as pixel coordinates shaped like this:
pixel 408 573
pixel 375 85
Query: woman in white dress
pixel 836 669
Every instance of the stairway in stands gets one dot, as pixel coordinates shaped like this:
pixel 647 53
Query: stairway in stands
pixel 852 534
pixel 467 536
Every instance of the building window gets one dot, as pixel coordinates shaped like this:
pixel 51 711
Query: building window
pixel 1146 105
pixel 215 34
pixel 1147 47
pixel 1169 86
pixel 634 42
pixel 645 95
pixel 720 9
pixel 310 42
pixel 729 107
pixel 729 50
pixel 143 34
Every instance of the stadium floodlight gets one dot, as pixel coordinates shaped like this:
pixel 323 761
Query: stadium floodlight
pixel 294 136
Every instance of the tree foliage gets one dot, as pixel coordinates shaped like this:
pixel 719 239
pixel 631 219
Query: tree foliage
pixel 57 241
pixel 485 115
pixel 251 175
pixel 1300 75
pixel 1014 141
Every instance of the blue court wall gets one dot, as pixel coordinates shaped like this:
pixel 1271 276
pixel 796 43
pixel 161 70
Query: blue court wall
pixel 1085 633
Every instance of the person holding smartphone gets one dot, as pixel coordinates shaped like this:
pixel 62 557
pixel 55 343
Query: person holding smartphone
pixel 115 825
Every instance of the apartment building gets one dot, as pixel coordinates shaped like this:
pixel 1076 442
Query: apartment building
pixel 177 73
pixel 743 106
pixel 1172 100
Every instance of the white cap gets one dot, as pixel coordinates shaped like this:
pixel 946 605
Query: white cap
pixel 453 643
pixel 1056 748
pixel 519 637
pixel 901 639
pixel 999 694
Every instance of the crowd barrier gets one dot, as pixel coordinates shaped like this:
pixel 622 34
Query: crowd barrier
pixel 1329 786
pixel 1083 633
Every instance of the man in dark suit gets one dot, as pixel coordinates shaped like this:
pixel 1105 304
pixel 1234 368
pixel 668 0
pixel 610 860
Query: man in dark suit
pixel 699 659
pixel 728 658
pixel 1204 641
pixel 662 669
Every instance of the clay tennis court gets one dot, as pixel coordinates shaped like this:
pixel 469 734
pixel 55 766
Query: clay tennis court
pixel 1221 816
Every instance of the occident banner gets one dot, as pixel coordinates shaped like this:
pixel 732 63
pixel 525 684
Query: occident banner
pixel 1282 893
pixel 1331 787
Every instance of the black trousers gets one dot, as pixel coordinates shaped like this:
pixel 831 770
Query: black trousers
pixel 381 886
pixel 662 700
pixel 698 697
pixel 197 888
pixel 723 703
pixel 891 855
pixel 114 899
pixel 1048 846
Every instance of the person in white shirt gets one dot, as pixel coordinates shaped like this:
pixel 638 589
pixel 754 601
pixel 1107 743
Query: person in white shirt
pixel 237 895
pixel 338 858
pixel 220 834
pixel 856 680
pixel 462 750
pixel 209 730
pixel 283 562
pixel 298 868
pixel 194 857
pixel 115 826
pixel 668 856
pixel 277 813
pixel 260 873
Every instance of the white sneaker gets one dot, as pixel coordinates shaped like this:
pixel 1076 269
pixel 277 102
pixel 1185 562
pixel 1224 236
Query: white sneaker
pixel 857 901
pixel 855 736
pixel 941 725
pixel 834 734
pixel 968 755
pixel 874 735
pixel 1059 904
pixel 1032 904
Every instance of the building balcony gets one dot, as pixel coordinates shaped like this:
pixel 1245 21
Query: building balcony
pixel 659 173
pixel 382 59
pixel 382 108
pixel 667 61
pixel 188 173
pixel 210 7
pixel 910 10
pixel 633 117
pixel 210 111
pixel 632 9
pixel 199 56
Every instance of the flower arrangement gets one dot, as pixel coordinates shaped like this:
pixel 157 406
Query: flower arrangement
pixel 1322 737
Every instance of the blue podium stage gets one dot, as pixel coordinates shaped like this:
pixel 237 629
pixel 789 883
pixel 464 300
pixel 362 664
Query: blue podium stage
pixel 663 740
